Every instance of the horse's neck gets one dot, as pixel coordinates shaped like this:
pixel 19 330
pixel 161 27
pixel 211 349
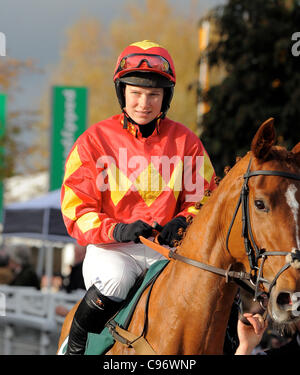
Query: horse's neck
pixel 193 306
pixel 189 308
pixel 205 239
pixel 198 309
pixel 208 299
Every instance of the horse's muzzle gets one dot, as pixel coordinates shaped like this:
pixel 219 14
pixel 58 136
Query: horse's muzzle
pixel 284 306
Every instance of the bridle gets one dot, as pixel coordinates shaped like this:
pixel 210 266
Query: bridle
pixel 251 281
pixel 253 252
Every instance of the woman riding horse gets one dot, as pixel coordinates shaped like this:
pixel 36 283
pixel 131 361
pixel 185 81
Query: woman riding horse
pixel 246 234
pixel 122 175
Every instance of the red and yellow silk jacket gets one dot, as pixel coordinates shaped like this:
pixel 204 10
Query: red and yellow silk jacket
pixel 115 175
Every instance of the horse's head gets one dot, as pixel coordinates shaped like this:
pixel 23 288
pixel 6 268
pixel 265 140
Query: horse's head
pixel 270 209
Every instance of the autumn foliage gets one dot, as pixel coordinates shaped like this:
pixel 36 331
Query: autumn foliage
pixel 90 53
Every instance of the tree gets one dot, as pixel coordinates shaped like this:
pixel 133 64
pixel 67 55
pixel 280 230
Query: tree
pixel 15 150
pixel 90 54
pixel 262 77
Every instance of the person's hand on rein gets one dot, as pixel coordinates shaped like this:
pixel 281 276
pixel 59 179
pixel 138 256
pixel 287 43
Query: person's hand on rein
pixel 250 335
pixel 131 232
pixel 169 232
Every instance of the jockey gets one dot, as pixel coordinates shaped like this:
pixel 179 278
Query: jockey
pixel 122 175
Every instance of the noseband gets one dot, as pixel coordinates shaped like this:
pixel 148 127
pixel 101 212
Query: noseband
pixel 253 252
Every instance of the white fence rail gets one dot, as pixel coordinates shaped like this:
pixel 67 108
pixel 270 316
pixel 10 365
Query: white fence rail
pixel 32 309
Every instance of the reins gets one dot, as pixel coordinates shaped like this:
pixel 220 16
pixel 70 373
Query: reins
pixel 170 254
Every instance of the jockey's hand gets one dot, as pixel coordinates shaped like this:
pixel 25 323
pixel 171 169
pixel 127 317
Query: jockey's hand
pixel 131 232
pixel 169 234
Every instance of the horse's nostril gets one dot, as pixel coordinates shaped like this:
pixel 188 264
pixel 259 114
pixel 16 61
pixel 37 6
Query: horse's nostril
pixel 284 299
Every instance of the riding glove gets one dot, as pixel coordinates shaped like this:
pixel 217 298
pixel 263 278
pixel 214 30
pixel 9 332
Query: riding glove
pixel 169 233
pixel 131 232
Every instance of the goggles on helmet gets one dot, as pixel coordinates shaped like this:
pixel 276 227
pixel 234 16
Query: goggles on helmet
pixel 136 60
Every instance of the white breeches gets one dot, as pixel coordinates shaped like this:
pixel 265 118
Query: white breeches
pixel 114 268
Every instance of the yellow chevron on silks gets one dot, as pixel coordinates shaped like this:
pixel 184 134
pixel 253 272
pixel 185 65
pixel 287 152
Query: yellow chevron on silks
pixel 70 203
pixel 193 210
pixel 206 170
pixel 145 44
pixel 150 184
pixel 73 163
pixel 175 182
pixel 119 183
pixel 88 221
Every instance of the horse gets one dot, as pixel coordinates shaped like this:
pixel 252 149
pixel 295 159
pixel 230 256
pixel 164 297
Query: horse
pixel 245 236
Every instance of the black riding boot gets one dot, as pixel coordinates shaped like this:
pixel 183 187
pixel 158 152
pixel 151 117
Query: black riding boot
pixel 91 316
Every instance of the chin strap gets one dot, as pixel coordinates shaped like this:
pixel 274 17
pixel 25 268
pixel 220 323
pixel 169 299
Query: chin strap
pixel 127 119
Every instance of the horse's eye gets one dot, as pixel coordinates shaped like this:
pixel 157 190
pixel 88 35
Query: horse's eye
pixel 259 204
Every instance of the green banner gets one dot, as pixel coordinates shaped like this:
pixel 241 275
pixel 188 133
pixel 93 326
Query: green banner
pixel 69 121
pixel 2 132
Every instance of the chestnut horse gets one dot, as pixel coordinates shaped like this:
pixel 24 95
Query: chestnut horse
pixel 190 305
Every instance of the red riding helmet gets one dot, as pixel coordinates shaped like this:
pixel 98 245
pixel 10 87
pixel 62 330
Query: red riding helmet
pixel 145 64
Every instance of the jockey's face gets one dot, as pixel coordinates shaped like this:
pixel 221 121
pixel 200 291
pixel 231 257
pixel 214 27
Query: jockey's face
pixel 143 104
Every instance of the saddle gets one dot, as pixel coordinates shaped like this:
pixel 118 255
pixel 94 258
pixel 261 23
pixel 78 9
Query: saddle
pixel 116 327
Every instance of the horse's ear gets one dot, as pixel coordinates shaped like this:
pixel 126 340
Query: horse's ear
pixel 264 139
pixel 296 149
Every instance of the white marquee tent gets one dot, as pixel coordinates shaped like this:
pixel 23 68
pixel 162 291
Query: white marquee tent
pixel 39 218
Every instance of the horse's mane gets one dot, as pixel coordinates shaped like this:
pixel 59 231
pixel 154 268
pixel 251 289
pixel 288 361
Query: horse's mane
pixel 281 154
pixel 198 205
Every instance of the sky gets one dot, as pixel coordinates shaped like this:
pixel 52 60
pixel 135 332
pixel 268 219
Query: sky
pixel 35 29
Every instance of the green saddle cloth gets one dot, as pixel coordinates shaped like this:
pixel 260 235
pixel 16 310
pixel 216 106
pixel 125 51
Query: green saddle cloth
pixel 99 344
